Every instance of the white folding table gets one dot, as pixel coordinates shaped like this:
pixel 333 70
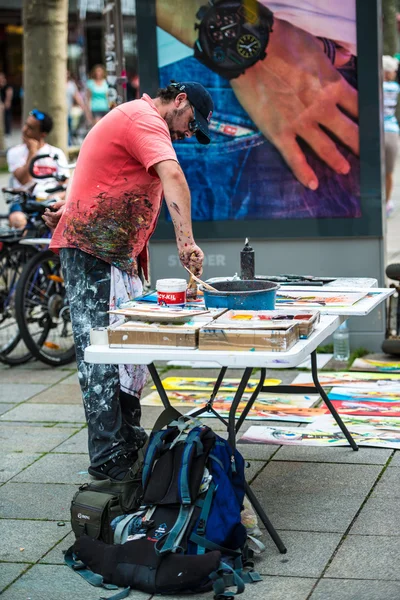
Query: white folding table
pixel 100 352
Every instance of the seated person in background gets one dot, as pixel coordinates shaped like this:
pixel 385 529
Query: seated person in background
pixel 34 132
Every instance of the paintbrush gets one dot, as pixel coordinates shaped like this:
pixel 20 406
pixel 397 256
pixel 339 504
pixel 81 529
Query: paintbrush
pixel 203 283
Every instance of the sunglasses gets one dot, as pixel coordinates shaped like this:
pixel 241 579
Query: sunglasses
pixel 193 125
pixel 38 114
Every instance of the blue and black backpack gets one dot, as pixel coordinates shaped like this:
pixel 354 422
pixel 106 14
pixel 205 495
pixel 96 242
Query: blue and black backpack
pixel 187 534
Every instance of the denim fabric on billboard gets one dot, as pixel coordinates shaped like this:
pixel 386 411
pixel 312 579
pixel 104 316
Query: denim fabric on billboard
pixel 244 175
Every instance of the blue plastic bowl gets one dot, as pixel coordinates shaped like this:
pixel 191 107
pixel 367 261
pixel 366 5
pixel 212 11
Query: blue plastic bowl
pixel 241 295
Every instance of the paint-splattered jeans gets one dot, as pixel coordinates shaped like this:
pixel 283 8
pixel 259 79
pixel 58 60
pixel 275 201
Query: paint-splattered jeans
pixel 112 415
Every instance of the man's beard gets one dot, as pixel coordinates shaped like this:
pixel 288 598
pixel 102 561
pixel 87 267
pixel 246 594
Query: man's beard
pixel 170 117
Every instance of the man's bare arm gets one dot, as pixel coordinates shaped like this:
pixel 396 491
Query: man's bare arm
pixel 177 197
pixel 22 173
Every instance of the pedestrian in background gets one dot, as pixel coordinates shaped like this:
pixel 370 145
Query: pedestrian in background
pixel 6 96
pixel 97 93
pixel 391 127
pixel 74 99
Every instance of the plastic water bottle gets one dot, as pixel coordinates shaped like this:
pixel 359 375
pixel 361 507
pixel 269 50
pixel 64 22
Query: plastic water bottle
pixel 341 343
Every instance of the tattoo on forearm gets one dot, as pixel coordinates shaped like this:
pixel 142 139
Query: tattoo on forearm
pixel 176 207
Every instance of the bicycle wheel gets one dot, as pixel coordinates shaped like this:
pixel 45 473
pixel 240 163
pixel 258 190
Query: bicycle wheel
pixel 42 310
pixel 13 257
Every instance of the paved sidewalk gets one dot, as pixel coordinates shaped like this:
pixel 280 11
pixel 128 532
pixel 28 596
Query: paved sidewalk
pixel 335 509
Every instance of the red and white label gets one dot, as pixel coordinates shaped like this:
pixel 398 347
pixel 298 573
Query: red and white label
pixel 171 298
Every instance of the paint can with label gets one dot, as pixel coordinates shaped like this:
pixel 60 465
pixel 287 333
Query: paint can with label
pixel 171 292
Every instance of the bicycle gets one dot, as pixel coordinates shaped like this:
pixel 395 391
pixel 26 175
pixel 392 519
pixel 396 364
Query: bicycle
pixel 14 253
pixel 41 307
pixel 16 248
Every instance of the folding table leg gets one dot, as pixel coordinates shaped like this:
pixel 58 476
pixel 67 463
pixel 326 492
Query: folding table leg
pixel 232 441
pixel 159 386
pixel 329 404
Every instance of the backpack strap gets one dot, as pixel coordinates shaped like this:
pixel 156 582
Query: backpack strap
pixel 193 442
pixel 205 511
pixel 155 444
pixel 221 582
pixel 205 543
pixel 174 536
pixel 93 578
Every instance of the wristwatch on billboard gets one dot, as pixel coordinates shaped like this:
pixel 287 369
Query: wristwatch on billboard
pixel 233 35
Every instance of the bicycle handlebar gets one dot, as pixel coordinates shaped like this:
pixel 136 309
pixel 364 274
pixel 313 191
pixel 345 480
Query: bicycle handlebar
pixel 47 175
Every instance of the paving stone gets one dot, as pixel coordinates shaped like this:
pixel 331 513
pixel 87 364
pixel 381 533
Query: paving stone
pixel 367 456
pixel 307 554
pixel 312 478
pixel 15 437
pixel 77 444
pixel 18 392
pixel 60 468
pixel 13 463
pixel 395 462
pixel 71 379
pixel 56 555
pixel 52 582
pixel 36 501
pixel 5 407
pixel 35 537
pixel 270 588
pixel 378 517
pixel 389 484
pixel 348 589
pixel 46 413
pixel 257 451
pixel 59 394
pixel 45 375
pixel 304 512
pixel 367 557
pixel 9 572
pixel 253 469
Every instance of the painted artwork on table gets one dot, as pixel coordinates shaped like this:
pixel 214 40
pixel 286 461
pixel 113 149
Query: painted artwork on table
pixel 317 299
pixel 376 366
pixel 206 384
pixel 364 380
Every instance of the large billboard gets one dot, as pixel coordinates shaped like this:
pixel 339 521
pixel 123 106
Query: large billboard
pixel 285 131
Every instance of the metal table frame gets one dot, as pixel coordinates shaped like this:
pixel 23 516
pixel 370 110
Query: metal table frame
pixel 247 360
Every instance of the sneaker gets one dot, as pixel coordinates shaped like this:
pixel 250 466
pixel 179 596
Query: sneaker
pixel 117 468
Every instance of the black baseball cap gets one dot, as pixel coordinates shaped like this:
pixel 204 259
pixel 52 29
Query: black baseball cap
pixel 203 106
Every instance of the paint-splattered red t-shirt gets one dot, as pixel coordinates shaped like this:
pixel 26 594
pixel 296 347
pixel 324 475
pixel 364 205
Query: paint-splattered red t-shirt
pixel 115 195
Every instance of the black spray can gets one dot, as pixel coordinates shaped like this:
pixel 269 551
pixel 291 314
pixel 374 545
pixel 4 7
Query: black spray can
pixel 247 262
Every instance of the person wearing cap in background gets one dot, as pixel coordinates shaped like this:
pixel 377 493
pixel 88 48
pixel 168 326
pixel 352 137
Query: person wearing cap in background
pixel 391 91
pixel 127 163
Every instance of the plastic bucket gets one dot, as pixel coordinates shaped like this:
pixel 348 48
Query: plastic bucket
pixel 171 292
pixel 241 295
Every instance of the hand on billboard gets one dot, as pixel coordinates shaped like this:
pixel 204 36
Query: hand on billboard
pixel 296 92
pixel 192 257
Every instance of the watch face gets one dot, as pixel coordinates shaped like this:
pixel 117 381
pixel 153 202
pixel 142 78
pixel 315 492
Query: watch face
pixel 248 46
pixel 233 38
pixel 223 27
